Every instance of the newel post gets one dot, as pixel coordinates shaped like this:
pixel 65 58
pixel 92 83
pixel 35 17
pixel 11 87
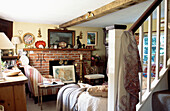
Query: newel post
pixel 114 34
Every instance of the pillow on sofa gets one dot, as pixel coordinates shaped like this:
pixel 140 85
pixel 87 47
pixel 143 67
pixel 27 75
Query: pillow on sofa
pixel 99 91
pixel 84 85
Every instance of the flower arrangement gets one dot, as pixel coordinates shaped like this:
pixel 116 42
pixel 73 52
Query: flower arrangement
pixel 3 65
pixel 95 58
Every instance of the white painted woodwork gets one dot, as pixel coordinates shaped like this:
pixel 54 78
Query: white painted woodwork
pixel 141 36
pixel 165 33
pixel 113 57
pixel 149 53
pixel 160 82
pixel 158 42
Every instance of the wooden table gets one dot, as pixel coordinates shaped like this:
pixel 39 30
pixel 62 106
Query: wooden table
pixel 12 93
pixel 42 86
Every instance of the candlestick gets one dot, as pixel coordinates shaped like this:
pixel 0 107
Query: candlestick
pixel 81 56
pixel 81 71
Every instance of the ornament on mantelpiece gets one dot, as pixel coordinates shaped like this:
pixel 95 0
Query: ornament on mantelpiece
pixel 39 33
pixel 81 35
pixel 78 42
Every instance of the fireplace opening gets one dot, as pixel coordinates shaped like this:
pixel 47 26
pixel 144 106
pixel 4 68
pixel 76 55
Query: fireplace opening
pixel 59 63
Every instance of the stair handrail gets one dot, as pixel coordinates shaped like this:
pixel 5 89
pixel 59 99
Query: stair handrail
pixel 144 16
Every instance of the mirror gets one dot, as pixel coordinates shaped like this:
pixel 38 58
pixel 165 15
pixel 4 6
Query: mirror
pixel 56 36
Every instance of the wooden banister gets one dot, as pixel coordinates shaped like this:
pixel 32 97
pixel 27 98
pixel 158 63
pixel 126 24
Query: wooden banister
pixel 144 16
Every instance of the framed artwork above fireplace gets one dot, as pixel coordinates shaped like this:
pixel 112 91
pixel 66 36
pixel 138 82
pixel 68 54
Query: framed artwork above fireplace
pixel 55 36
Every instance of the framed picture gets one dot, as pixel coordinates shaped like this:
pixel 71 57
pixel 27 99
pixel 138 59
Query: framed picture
pixel 28 38
pixel 65 73
pixel 91 38
pixel 56 36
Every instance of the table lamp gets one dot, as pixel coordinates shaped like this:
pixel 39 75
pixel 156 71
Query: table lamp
pixel 15 41
pixel 5 43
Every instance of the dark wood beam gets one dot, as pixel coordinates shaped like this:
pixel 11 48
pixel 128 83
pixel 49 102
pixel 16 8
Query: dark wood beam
pixel 102 11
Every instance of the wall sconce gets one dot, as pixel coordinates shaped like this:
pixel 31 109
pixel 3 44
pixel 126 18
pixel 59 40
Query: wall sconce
pixel 89 14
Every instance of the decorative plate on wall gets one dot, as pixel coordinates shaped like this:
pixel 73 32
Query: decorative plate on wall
pixel 40 44
pixel 28 38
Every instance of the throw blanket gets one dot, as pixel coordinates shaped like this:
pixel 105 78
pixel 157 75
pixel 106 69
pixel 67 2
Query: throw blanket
pixel 127 76
pixel 67 97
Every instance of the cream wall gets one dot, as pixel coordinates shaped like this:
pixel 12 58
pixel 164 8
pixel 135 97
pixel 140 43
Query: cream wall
pixel 33 28
pixel 146 26
pixel 100 44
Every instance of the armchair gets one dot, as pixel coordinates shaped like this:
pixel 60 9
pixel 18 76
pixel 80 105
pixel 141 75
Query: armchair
pixel 35 77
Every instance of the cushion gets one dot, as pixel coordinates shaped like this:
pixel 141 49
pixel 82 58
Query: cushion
pixel 94 76
pixel 84 85
pixel 99 91
pixel 90 70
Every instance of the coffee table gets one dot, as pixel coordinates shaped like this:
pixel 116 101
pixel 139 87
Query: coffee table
pixel 42 86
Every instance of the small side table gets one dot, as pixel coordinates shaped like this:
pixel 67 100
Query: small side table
pixel 42 86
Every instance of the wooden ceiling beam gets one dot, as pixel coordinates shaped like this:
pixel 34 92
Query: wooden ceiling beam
pixel 102 11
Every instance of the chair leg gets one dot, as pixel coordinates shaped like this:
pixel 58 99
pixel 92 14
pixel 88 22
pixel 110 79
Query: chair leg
pixel 35 100
pixel 29 94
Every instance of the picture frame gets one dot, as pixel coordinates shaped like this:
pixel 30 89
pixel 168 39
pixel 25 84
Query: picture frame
pixel 91 38
pixel 55 36
pixel 65 73
pixel 28 38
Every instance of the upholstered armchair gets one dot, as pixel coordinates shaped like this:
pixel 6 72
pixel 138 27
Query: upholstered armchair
pixel 35 77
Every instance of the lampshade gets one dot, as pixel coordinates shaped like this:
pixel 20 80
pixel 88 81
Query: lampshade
pixel 5 43
pixel 16 40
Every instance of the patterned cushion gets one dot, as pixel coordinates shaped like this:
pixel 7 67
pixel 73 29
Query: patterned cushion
pixel 99 91
pixel 90 70
pixel 84 85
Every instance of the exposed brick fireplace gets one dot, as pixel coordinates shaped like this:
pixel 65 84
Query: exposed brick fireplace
pixel 57 54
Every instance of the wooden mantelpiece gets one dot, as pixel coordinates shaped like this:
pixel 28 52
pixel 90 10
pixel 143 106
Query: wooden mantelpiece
pixel 34 49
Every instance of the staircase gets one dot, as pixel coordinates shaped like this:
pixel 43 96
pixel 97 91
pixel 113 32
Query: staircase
pixel 160 81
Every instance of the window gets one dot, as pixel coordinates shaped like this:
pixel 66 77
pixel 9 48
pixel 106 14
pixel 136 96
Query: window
pixel 145 46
